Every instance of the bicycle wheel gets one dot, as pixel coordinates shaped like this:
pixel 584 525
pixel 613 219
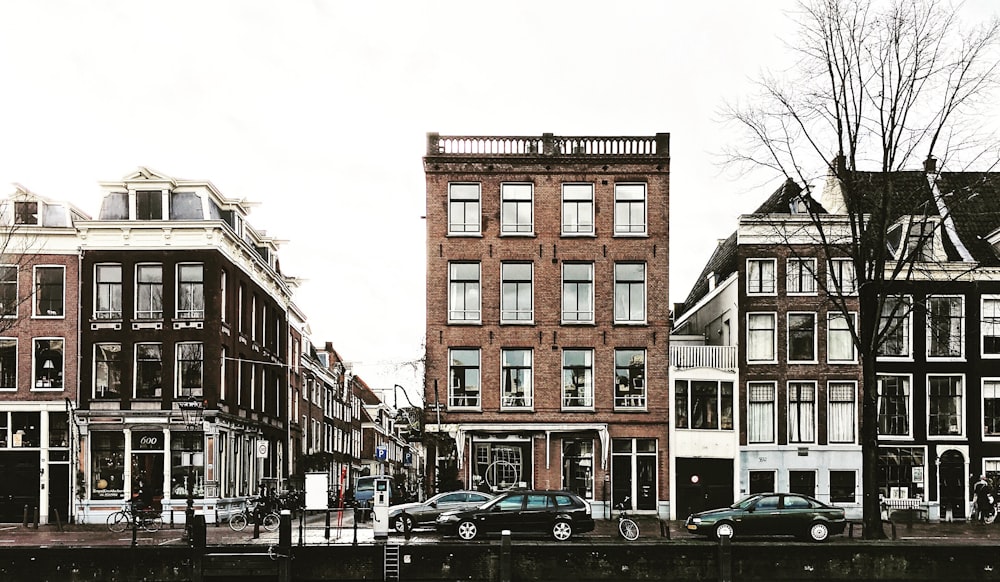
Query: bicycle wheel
pixel 629 529
pixel 238 522
pixel 118 521
pixel 152 524
pixel 271 521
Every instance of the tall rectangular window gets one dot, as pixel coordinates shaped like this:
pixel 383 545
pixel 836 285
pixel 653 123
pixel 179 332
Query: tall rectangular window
pixel 577 209
pixel 578 379
pixel 8 363
pixel 839 341
pixel 516 293
pixel 800 276
pixel 761 337
pixel 463 209
pixel 801 337
pixel 842 411
pixel 108 291
pixel 990 325
pixel 223 299
pixel 630 209
pixel 703 404
pixel 107 371
pixel 893 405
pixel 516 215
pixel 464 293
pixel 761 276
pixel 944 414
pixel 760 412
pixel 630 292
pixel 801 412
pixel 190 370
pixel 148 371
pixel 191 291
pixel 578 467
pixel 895 325
pixel 945 327
pixel 630 378
pixel 149 291
pixel 50 291
pixel 516 384
pixel 991 407
pixel 464 387
pixel 8 291
pixel 841 277
pixel 49 362
pixel 578 293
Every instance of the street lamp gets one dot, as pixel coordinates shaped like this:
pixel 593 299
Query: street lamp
pixel 192 411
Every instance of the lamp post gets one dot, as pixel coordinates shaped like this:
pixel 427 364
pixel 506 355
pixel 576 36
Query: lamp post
pixel 192 412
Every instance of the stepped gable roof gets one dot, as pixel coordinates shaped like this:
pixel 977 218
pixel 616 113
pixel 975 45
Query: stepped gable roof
pixel 973 201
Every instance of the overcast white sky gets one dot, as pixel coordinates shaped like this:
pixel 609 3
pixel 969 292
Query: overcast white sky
pixel 319 111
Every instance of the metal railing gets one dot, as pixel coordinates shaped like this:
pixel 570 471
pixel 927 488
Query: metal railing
pixel 717 357
pixel 547 144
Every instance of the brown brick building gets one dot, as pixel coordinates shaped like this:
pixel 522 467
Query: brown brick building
pixel 547 314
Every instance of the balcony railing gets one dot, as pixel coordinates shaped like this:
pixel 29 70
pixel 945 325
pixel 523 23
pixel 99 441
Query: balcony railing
pixel 717 357
pixel 549 145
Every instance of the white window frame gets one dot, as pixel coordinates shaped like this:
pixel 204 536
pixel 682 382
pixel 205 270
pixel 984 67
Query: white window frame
pixel 121 364
pixel 961 331
pixel 760 288
pixel 465 199
pixel 830 331
pixel 147 314
pixel 189 314
pixel 582 196
pixel 751 433
pixel 627 195
pixel 578 283
pixel 830 422
pixel 800 276
pixel 34 365
pixel 908 379
pixel 987 436
pixel 989 320
pixel 639 385
pixel 34 303
pixel 101 287
pixel 511 193
pixel 774 338
pixel 812 425
pixel 179 377
pixel 588 397
pixel 511 401
pixel 469 316
pixel 907 324
pixel 516 310
pixel 962 407
pixel 453 403
pixel 135 370
pixel 844 269
pixel 630 284
pixel 788 335
pixel 11 311
pixel 16 368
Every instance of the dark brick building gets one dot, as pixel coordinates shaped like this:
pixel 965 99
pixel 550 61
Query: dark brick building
pixel 547 314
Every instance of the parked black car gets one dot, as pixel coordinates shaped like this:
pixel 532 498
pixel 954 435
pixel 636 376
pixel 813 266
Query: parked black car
pixel 407 516
pixel 559 513
pixel 771 514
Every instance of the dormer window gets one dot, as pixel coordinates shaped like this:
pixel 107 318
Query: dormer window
pixel 185 206
pixel 148 205
pixel 912 239
pixel 798 206
pixel 25 212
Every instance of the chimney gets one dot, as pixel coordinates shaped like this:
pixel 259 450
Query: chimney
pixel 930 165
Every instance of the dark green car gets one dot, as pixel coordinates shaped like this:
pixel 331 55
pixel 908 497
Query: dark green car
pixel 771 514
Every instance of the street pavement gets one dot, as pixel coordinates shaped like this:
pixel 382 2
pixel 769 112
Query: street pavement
pixel 315 533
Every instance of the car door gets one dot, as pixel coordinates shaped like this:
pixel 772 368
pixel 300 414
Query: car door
pixel 796 515
pixel 761 516
pixel 504 514
pixel 428 512
pixel 537 513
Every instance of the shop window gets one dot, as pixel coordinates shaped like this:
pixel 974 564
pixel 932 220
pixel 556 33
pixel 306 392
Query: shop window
pixel 187 464
pixel 108 465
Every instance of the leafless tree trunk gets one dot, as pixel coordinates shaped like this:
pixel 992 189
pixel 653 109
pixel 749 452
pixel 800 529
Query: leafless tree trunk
pixel 877 87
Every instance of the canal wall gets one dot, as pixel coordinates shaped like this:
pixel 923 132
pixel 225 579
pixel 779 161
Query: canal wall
pixel 689 561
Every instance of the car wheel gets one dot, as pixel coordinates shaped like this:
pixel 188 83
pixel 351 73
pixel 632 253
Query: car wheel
pixel 404 523
pixel 562 531
pixel 724 530
pixel 467 530
pixel 819 532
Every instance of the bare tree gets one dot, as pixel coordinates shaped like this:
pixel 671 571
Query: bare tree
pixel 877 88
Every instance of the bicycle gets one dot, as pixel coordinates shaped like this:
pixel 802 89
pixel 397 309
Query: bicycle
pixel 269 520
pixel 146 518
pixel 627 527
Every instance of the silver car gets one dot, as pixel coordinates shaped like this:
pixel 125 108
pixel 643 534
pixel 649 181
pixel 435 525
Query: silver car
pixel 406 516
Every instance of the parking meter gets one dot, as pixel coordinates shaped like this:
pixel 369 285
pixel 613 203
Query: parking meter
pixel 380 508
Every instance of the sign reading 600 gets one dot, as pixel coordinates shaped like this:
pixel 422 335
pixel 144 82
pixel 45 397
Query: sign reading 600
pixel 147 441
